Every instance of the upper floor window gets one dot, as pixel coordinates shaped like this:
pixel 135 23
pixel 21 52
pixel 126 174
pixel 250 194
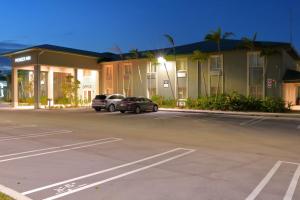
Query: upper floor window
pixel 151 68
pixel 181 64
pixel 127 69
pixel 255 60
pixel 216 63
pixel 255 75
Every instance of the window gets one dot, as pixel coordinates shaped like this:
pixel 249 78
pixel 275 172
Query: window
pixel 256 74
pixel 127 79
pixel 151 79
pixel 151 68
pixel 215 75
pixel 108 83
pixel 181 64
pixel 216 63
pixel 182 80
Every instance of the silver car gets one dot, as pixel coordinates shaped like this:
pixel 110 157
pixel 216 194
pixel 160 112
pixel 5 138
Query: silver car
pixel 107 102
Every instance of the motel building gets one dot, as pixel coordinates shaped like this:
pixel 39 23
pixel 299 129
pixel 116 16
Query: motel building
pixel 39 73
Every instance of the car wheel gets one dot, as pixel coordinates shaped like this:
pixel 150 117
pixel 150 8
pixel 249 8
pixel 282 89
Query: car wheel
pixel 122 111
pixel 97 109
pixel 155 108
pixel 137 110
pixel 111 108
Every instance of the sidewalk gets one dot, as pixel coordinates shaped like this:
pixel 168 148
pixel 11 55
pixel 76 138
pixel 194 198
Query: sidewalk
pixel 263 114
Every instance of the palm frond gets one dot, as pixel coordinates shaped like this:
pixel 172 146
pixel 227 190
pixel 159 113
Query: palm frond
pixel 200 56
pixel 170 39
pixel 134 53
pixel 227 35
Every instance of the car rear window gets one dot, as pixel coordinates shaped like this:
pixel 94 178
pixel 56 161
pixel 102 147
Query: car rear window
pixel 100 97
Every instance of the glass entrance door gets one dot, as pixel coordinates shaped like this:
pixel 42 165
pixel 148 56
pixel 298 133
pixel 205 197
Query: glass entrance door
pixel 298 95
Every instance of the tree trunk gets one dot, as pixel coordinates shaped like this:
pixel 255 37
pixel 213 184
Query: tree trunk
pixel 204 81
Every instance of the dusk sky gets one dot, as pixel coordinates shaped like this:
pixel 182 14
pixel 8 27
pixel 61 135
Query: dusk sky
pixel 98 25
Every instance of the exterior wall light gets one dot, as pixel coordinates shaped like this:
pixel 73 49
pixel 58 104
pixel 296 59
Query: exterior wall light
pixel 161 60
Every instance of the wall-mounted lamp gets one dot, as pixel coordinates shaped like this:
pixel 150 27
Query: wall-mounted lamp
pixel 161 60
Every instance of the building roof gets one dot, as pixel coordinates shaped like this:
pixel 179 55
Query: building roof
pixel 204 46
pixel 225 45
pixel 291 76
pixel 106 55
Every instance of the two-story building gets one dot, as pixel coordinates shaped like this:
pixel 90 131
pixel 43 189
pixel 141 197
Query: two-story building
pixel 267 69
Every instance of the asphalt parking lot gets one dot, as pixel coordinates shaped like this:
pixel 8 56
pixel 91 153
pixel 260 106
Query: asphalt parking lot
pixel 81 154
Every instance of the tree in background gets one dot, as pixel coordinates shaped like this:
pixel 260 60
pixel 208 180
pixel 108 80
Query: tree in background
pixel 172 43
pixel 135 54
pixel 217 37
pixel 70 88
pixel 249 43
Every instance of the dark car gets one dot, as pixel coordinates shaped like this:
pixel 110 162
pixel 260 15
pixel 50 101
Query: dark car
pixel 107 102
pixel 137 105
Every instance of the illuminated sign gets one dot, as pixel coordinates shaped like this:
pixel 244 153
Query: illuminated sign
pixel 23 59
pixel 166 84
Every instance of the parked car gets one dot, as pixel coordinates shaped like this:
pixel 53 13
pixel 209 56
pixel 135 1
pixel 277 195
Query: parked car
pixel 107 102
pixel 137 105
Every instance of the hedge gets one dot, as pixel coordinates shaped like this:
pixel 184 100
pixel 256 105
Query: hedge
pixel 228 102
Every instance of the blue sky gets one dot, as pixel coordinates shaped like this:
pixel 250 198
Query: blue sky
pixel 98 25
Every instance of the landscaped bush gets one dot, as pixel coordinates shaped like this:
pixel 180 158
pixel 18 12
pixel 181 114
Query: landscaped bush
pixel 229 102
pixel 162 102
pixel 27 101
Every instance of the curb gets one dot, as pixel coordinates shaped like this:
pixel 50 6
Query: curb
pixel 291 115
pixel 13 194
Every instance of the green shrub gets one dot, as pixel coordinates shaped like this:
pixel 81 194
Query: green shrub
pixel 62 100
pixel 44 100
pixel 169 103
pixel 237 102
pixel 157 99
pixel 161 101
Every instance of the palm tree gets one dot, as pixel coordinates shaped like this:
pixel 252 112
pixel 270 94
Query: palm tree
pixel 201 57
pixel 172 43
pixel 217 36
pixel 151 57
pixel 249 43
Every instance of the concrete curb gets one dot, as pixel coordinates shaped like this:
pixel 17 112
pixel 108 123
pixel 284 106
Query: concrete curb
pixel 13 194
pixel 285 115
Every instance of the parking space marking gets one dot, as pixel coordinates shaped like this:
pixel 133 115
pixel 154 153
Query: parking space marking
pixel 18 127
pixel 253 121
pixel 51 148
pixel 62 184
pixel 99 142
pixel 264 182
pixel 291 189
pixel 42 134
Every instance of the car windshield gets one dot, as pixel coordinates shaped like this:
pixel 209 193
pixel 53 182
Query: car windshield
pixel 100 97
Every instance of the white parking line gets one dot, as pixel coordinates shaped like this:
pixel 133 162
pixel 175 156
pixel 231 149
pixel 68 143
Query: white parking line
pixel 42 134
pixel 51 148
pixel 264 182
pixel 187 151
pixel 291 189
pixel 104 141
pixel 18 127
pixel 253 121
